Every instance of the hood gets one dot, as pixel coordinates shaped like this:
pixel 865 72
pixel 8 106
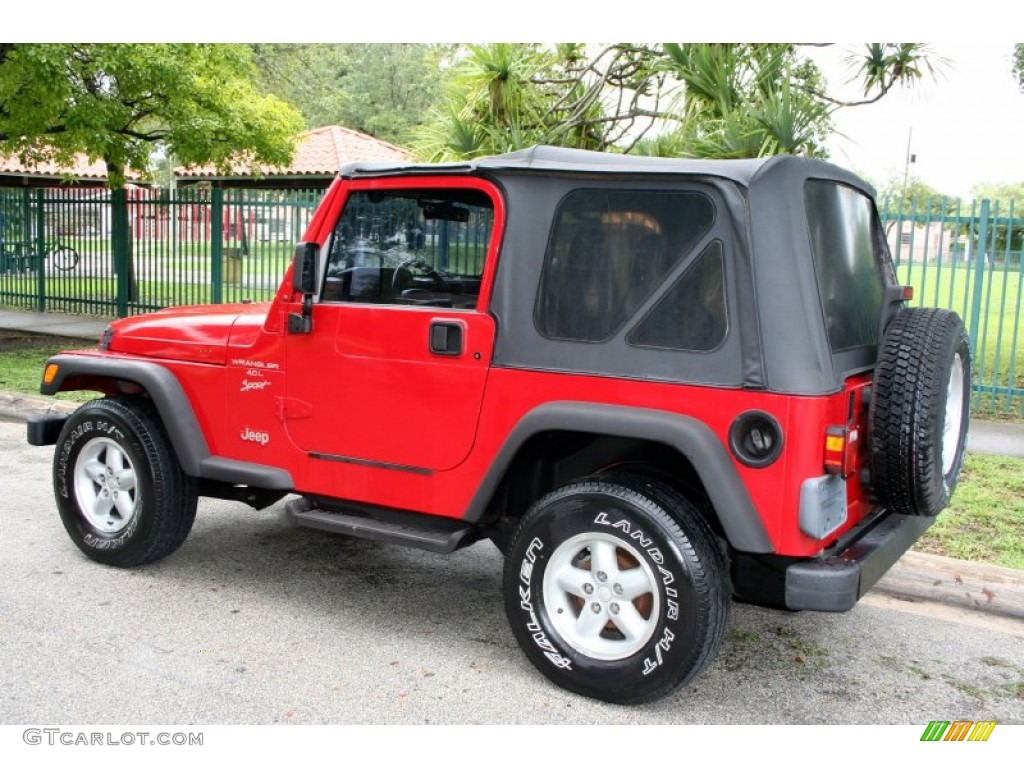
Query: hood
pixel 199 334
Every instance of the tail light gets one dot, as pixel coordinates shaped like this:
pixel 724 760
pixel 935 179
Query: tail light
pixel 841 446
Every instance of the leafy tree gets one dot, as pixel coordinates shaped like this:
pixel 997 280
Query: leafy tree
pixel 748 100
pixel 507 96
pixel 911 196
pixel 307 76
pixel 722 100
pixel 1018 64
pixel 918 201
pixel 1007 201
pixel 118 101
pixel 1005 194
pixel 883 66
pixel 381 89
pixel 389 87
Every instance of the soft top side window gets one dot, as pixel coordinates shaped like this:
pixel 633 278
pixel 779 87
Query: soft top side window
pixel 607 253
pixel 410 246
pixel 691 316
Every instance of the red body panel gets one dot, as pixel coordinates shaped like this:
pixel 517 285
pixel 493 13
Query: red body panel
pixel 368 387
pixel 197 334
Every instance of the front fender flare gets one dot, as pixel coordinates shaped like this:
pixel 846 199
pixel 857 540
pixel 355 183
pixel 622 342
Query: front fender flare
pixel 177 416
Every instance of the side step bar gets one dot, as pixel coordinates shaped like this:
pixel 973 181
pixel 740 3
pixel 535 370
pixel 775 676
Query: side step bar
pixel 429 532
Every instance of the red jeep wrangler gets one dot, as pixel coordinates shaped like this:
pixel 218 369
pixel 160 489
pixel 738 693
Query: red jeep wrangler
pixel 655 384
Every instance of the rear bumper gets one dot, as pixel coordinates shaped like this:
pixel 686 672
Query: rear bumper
pixel 838 580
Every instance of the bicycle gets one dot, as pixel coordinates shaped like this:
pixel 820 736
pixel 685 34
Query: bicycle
pixel 20 256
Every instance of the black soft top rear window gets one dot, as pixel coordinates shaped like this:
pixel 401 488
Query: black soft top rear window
pixel 848 262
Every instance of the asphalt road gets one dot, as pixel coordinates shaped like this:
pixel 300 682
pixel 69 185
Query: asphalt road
pixel 253 621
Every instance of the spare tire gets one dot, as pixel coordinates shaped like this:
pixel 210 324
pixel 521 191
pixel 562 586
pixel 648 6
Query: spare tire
pixel 920 407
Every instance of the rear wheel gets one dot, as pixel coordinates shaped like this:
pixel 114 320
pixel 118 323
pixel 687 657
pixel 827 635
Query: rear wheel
pixel 920 410
pixel 122 496
pixel 616 588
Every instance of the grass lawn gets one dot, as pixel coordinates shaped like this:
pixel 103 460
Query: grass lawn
pixel 22 357
pixel 65 293
pixel 985 521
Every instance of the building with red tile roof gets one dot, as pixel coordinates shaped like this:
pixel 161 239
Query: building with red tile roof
pixel 81 172
pixel 319 155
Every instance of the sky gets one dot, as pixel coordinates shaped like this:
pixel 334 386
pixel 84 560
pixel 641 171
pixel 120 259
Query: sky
pixel 965 126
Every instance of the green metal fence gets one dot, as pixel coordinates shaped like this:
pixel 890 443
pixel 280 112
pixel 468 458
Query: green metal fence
pixel 96 252
pixel 967 257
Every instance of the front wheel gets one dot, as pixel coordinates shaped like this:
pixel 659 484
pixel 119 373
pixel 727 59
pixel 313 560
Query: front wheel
pixel 122 496
pixel 616 588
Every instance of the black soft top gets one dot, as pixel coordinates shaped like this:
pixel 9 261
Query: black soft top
pixel 777 338
pixel 544 159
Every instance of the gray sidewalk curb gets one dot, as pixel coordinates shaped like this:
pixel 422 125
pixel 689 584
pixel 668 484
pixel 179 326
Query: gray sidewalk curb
pixel 921 577
pixel 18 407
pixel 917 577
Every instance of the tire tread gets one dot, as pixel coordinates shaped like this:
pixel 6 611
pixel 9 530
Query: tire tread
pixel 908 396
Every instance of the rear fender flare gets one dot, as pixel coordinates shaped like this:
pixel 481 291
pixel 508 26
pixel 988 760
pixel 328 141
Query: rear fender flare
pixel 690 437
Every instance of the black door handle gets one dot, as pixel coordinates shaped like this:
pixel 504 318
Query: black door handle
pixel 446 338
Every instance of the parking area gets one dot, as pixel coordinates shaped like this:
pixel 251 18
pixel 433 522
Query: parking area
pixel 254 621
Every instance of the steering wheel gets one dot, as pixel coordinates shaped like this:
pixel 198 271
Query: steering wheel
pixel 403 276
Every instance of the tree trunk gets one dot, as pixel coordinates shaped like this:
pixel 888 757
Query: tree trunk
pixel 121 239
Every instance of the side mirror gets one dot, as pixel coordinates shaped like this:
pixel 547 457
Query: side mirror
pixel 304 268
pixel 303 281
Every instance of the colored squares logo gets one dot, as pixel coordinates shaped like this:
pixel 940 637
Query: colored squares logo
pixel 958 730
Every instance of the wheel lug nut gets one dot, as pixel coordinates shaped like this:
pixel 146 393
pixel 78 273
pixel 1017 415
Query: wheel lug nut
pixel 595 607
pixel 588 588
pixel 602 576
pixel 618 589
pixel 614 608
